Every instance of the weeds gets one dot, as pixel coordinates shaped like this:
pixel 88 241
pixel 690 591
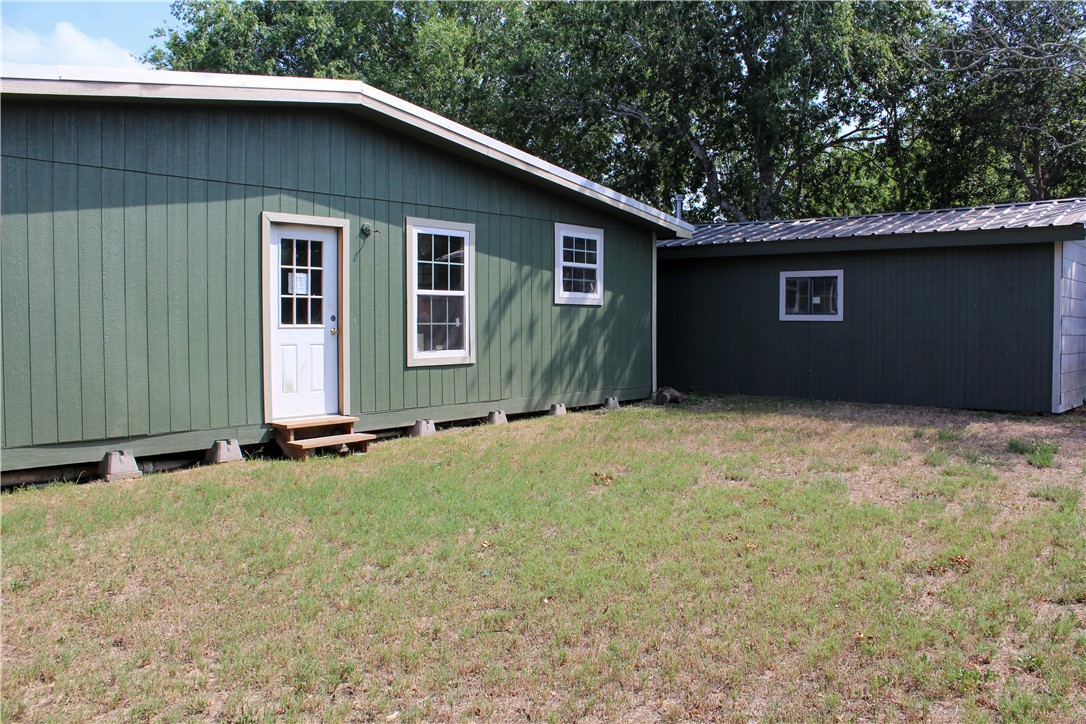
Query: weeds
pixel 1039 454
pixel 555 565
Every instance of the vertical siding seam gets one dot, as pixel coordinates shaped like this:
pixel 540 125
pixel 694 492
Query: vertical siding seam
pixel 29 280
pixel 207 286
pixel 102 296
pixel 56 367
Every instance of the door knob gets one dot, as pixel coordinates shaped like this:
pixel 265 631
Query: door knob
pixel 335 331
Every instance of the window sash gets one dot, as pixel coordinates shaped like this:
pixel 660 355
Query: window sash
pixel 813 296
pixel 578 248
pixel 440 320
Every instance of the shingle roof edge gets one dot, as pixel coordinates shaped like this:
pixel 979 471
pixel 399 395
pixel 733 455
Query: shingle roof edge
pixel 164 84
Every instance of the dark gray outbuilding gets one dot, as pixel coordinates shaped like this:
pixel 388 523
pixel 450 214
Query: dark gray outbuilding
pixel 980 308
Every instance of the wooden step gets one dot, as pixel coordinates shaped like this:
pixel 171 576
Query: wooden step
pixel 298 449
pixel 287 431
pixel 321 421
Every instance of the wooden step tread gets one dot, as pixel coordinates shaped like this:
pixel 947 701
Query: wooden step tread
pixel 331 440
pixel 322 421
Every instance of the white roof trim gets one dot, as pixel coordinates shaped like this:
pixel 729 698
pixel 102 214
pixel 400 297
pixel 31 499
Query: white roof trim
pixel 63 80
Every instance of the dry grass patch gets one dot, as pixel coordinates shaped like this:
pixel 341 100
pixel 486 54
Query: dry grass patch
pixel 724 560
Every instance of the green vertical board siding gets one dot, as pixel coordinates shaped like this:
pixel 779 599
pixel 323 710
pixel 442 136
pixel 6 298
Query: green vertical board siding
pixel 198 290
pixel 956 327
pixel 15 291
pixel 135 301
pixel 235 304
pixel 66 299
pixel 159 384
pixel 216 279
pixel 150 282
pixel 115 342
pixel 177 302
pixel 13 132
pixel 43 381
pixel 91 311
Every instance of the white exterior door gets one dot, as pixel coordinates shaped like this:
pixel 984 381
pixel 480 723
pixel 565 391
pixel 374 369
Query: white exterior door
pixel 304 307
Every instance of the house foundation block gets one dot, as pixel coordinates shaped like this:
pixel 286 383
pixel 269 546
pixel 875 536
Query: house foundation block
pixel 119 465
pixel 422 428
pixel 557 409
pixel 497 417
pixel 223 451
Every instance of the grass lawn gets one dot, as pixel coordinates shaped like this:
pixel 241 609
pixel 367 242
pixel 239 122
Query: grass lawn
pixel 730 559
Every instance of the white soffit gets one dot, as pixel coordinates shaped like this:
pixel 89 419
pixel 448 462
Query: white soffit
pixel 73 81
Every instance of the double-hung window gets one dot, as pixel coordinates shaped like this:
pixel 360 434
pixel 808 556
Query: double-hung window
pixel 441 292
pixel 812 296
pixel 578 265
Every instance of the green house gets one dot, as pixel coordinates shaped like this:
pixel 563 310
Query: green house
pixel 981 308
pixel 195 257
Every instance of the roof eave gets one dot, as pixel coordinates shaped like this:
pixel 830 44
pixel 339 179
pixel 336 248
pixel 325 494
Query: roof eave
pixel 143 85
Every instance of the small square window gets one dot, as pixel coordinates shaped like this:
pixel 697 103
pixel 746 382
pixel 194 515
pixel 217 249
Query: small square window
pixel 812 296
pixel 578 268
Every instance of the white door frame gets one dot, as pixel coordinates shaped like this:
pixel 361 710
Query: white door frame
pixel 343 226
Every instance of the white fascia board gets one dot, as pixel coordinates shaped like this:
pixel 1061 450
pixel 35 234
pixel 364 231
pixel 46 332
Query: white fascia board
pixel 62 80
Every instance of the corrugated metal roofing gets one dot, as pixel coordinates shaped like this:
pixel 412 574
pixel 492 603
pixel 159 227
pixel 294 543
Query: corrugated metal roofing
pixel 1032 214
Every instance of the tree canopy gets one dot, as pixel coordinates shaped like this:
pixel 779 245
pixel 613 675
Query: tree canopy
pixel 751 110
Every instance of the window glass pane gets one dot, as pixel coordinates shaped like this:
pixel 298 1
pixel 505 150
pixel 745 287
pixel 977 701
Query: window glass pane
pixel 790 292
pixel 286 251
pixel 301 311
pixel 426 275
pixel 301 252
pixel 286 311
pixel 803 295
pixel 455 318
pixel 315 315
pixel 456 277
pixel 590 245
pixel 284 282
pixel 441 248
pixel 316 254
pixel 316 282
pixel 824 295
pixel 456 249
pixel 589 281
pixel 425 328
pixel 439 311
pixel 567 254
pixel 441 277
pixel 426 247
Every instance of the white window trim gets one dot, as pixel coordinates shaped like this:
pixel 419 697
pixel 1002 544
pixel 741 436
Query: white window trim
pixel 415 357
pixel 585 232
pixel 839 273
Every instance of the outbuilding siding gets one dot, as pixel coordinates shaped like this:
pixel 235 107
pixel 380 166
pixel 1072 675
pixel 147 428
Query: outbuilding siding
pixel 955 327
pixel 1072 332
pixel 131 276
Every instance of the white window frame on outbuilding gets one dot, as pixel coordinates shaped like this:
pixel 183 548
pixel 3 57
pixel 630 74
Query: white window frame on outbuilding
pixel 561 296
pixel 417 357
pixel 839 316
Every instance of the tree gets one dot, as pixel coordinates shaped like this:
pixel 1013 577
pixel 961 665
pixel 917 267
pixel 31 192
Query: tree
pixel 752 110
pixel 1007 101
pixel 447 57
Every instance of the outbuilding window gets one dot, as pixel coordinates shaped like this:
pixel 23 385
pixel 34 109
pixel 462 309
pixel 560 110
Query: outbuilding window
pixel 578 265
pixel 440 297
pixel 812 296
